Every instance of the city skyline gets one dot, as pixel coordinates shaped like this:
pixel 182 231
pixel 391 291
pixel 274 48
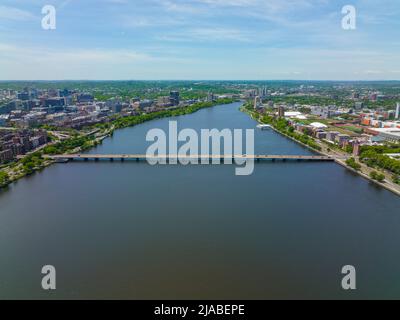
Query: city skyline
pixel 199 39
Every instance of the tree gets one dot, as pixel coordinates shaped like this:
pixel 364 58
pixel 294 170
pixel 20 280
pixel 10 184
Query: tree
pixel 377 176
pixel 4 179
pixel 380 177
pixel 353 164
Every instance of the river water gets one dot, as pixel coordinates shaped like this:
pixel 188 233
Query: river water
pixel 133 231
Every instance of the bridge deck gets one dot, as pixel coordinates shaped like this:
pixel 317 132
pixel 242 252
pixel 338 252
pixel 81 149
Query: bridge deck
pixel 210 157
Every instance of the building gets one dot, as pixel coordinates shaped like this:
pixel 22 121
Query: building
pixel 263 92
pixel 318 125
pixel 281 112
pixel 54 102
pixel 322 112
pixel 174 98
pixel 397 116
pixel 257 102
pixel 321 135
pixel 6 155
pixel 210 97
pixel 292 114
pixel 3 120
pixel 250 93
pixel 164 102
pixel 373 97
pixel 356 149
pixel 355 95
pixel 359 105
pixel 331 135
pixel 65 93
pixel 388 134
pixel 341 139
pixel 85 98
pixel 24 96
pixel 143 104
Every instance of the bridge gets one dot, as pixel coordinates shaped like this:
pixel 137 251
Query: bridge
pixel 144 157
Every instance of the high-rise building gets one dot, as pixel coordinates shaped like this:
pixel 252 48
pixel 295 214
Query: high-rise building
pixel 257 102
pixel 263 92
pixel 210 96
pixel 281 112
pixel 174 98
pixel 24 96
pixel 65 93
pixel 397 111
pixel 356 149
pixel 85 98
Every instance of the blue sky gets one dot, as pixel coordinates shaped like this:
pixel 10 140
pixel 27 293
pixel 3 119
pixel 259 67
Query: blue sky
pixel 200 39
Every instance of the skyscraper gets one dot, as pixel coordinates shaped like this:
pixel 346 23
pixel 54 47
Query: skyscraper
pixel 257 102
pixel 262 92
pixel 397 111
pixel 281 112
pixel 356 149
pixel 210 96
pixel 174 98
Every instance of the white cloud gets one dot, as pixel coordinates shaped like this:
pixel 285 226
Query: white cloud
pixel 11 13
pixel 69 56
pixel 216 34
pixel 181 7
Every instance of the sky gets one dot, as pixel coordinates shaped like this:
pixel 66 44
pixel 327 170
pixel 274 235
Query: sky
pixel 199 40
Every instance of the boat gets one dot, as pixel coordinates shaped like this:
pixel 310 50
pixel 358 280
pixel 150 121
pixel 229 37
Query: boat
pixel 62 161
pixel 264 126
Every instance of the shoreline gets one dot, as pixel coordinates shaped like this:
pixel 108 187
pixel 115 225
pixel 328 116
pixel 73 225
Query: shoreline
pixel 110 132
pixel 337 161
pixel 46 162
pixel 367 177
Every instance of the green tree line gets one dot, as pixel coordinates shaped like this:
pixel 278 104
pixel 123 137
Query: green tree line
pixel 375 156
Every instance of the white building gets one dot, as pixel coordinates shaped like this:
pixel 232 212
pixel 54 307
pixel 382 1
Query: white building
pixel 389 134
pixel 318 125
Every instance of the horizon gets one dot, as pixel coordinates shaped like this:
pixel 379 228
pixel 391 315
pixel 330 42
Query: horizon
pixel 194 80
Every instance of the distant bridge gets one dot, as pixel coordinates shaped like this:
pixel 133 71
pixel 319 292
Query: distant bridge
pixel 142 157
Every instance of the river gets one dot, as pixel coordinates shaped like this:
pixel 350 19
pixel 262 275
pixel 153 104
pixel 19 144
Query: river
pixel 133 231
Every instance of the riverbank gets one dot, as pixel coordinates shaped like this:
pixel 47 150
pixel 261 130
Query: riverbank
pixel 367 177
pixel 36 162
pixel 387 184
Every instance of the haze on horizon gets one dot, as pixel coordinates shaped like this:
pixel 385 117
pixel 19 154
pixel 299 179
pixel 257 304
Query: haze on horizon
pixel 199 39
